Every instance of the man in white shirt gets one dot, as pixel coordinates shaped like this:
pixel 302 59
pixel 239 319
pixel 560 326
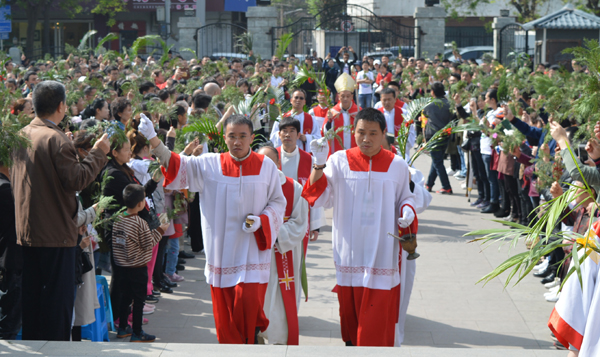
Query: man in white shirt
pixel 276 79
pixel 365 80
pixel 394 119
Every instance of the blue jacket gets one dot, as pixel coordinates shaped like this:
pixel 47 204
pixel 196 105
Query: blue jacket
pixel 535 136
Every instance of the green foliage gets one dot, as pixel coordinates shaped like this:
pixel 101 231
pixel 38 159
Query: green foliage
pixel 282 45
pixel 542 236
pixel 110 37
pixel 206 126
pixel 244 42
pixel 109 8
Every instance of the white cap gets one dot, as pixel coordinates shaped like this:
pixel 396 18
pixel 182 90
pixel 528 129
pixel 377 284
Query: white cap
pixel 377 61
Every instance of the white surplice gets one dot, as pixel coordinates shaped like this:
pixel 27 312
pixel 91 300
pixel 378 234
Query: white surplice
pixel 366 206
pixel 291 235
pixel 289 166
pixel 315 132
pixel 575 320
pixel 230 190
pixel 367 195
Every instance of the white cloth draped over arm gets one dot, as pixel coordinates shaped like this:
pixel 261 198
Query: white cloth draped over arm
pixel 422 196
pixel 275 134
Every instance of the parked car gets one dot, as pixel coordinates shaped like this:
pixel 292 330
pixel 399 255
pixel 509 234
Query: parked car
pixel 473 52
pixel 407 51
pixel 378 54
pixel 228 55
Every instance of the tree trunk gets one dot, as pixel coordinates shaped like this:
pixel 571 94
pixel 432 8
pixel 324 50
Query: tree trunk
pixel 33 10
pixel 46 40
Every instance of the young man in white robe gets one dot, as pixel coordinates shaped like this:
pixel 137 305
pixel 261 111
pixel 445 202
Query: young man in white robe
pixel 297 164
pixel 308 128
pixel 394 119
pixel 282 299
pixel 242 207
pixel 369 190
pixel 319 111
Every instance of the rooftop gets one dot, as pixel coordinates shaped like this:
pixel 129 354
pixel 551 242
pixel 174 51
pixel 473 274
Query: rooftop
pixel 567 18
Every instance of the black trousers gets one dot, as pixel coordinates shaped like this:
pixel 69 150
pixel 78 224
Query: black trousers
pixel 194 225
pixel 157 274
pixel 10 303
pixel 133 285
pixel 48 293
pixel 512 190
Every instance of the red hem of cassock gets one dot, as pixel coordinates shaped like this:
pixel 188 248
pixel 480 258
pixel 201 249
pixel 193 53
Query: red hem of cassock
pixel 263 234
pixel 171 173
pixel 312 192
pixel 368 317
pixel 565 334
pixel 238 311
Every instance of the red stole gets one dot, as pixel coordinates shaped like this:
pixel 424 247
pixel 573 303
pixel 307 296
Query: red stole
pixel 304 165
pixel 338 121
pixel 320 112
pixel 285 272
pixel 398 118
pixel 307 126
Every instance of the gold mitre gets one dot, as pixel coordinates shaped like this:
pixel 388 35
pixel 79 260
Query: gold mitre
pixel 344 82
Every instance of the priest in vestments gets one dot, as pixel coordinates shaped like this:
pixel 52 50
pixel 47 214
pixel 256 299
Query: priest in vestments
pixel 297 164
pixel 242 207
pixel 369 190
pixel 282 300
pixel 575 320
pixel 342 115
pixel 308 128
pixel 394 119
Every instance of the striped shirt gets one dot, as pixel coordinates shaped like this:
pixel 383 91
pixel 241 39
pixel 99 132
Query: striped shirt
pixel 133 241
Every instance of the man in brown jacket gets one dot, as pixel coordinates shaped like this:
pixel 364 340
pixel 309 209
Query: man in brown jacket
pixel 45 178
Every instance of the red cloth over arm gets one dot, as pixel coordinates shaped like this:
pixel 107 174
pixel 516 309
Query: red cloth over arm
pixel 312 192
pixel 263 234
pixel 171 173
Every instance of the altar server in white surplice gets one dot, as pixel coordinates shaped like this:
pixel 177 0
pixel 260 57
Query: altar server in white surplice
pixel 242 207
pixel 369 190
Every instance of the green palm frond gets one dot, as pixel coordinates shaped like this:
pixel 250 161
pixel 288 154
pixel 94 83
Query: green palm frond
pixel 415 107
pixel 83 44
pixel 110 37
pixel 542 235
pixel 204 125
pixel 282 45
pixel 244 42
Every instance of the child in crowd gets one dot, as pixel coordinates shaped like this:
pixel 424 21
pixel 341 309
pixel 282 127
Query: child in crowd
pixel 132 249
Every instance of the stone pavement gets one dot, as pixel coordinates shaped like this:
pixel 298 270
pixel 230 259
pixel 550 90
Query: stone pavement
pixel 449 314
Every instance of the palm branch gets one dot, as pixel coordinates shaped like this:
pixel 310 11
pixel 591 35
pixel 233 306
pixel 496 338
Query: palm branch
pixel 204 125
pixel 110 37
pixel 540 235
pixel 83 44
pixel 244 42
pixel 282 45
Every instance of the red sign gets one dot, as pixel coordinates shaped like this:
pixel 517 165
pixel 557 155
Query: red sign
pixel 347 26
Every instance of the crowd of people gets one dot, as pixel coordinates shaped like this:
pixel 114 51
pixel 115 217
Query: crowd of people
pixel 126 156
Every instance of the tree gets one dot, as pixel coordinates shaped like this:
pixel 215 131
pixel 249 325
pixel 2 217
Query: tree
pixel 527 9
pixel 331 12
pixel 591 6
pixel 33 8
pixel 109 8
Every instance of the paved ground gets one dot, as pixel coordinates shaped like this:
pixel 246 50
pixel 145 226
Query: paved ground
pixel 447 308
